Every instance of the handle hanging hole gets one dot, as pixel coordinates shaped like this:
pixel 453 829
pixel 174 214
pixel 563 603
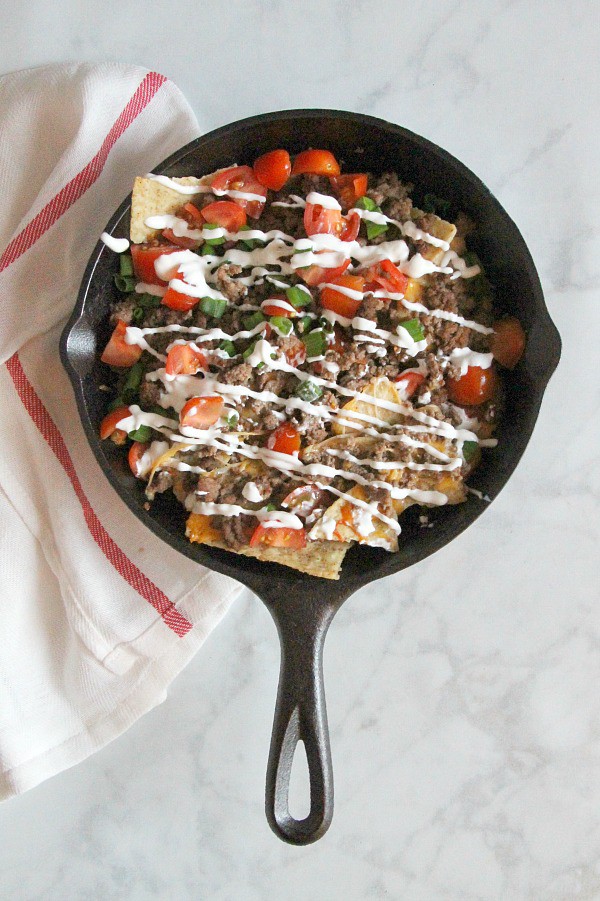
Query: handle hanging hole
pixel 299 792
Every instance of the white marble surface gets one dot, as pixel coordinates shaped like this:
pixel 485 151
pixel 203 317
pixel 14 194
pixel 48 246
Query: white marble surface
pixel 466 734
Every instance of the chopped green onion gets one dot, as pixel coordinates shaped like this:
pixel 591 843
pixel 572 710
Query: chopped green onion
pixel 270 507
pixel 469 449
pixel 260 367
pixel 125 283
pixel 137 315
pixel 308 391
pixel 213 241
pixel 125 264
pixel 365 203
pixel 326 325
pixel 134 377
pixel 114 404
pixel 303 324
pixel 144 433
pixel 374 229
pixel 233 419
pixel 249 322
pixel 228 347
pixel 213 306
pixel 207 250
pixel 248 350
pixel 414 329
pixel 297 297
pixel 148 300
pixel 282 324
pixel 254 242
pixel 434 204
pixel 315 343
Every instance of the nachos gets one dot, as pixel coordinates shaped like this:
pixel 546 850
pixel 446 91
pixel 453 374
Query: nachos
pixel 299 355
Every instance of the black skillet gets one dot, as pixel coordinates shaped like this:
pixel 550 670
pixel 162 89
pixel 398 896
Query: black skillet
pixel 303 606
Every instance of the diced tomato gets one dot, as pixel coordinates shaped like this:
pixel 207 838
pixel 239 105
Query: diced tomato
pixel 144 258
pixel 320 220
pixel 183 359
pixel 285 439
pixel 194 214
pixel 304 499
pixel 201 412
pixel 273 169
pixel 351 226
pixel 295 351
pixel 117 352
pixel 349 187
pixel 475 387
pixel 177 300
pixel 315 162
pixel 226 214
pixel 182 242
pixel 339 302
pixel 409 381
pixel 385 276
pixel 241 178
pixel 278 536
pixel 273 309
pixel 110 422
pixel 508 342
pixel 314 275
pixel 136 452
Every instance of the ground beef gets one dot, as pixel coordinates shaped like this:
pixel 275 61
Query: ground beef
pixel 280 383
pixel 123 310
pixel 162 481
pixel 149 393
pixel 232 290
pixel 443 335
pixel 391 195
pixel 237 530
pixel 441 294
pixel 310 427
pixel 239 374
pixel 208 489
pixel 371 306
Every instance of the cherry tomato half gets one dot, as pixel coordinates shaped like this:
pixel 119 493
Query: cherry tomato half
pixel 315 162
pixel 225 214
pixel 177 300
pixel 278 536
pixel 475 387
pixel 182 242
pixel 384 275
pixel 183 359
pixel 408 382
pixel 110 422
pixel 349 187
pixel 285 439
pixel 314 275
pixel 136 452
pixel 117 352
pixel 241 179
pixel 273 169
pixel 144 258
pixel 201 412
pixel 508 342
pixel 339 302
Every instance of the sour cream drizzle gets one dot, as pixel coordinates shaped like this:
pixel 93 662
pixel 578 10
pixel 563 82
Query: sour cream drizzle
pixel 119 245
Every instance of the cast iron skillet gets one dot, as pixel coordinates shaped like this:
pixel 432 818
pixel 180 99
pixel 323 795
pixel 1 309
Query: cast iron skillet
pixel 303 606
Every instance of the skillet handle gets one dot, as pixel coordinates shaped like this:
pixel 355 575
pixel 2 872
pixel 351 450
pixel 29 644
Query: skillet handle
pixel 300 715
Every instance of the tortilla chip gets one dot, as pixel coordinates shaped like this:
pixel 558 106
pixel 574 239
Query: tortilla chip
pixel 318 558
pixel 346 517
pixel 150 198
pixel 380 388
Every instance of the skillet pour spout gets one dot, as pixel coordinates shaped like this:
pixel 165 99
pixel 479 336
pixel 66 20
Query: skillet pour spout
pixel 303 607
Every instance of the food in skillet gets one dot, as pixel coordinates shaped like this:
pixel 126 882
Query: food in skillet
pixel 300 355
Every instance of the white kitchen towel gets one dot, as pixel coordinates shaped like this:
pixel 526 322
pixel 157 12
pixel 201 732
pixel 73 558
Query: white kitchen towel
pixel 97 615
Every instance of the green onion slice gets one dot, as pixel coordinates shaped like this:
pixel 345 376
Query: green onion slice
pixel 315 343
pixel 125 264
pixel 250 322
pixel 282 324
pixel 125 283
pixel 414 329
pixel 365 203
pixel 469 449
pixel 213 306
pixel 144 433
pixel 213 241
pixel 297 297
pixel 308 391
pixel 374 229
pixel 228 347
